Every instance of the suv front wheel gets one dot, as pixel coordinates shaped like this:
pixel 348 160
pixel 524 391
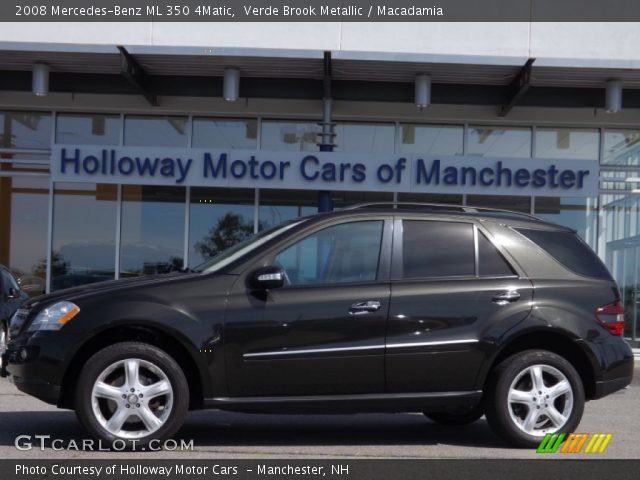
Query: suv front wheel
pixel 131 392
pixel 533 393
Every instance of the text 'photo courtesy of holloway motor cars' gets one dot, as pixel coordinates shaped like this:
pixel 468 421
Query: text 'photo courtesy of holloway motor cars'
pixel 456 312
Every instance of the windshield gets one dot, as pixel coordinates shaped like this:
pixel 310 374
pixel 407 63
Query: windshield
pixel 231 254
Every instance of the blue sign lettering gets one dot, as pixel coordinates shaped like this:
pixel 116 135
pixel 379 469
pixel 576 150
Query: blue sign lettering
pixel 499 176
pixel 324 170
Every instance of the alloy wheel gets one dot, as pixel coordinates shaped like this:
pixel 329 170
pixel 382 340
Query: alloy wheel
pixel 132 398
pixel 540 400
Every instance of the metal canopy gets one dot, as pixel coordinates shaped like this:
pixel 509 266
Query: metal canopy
pixel 298 75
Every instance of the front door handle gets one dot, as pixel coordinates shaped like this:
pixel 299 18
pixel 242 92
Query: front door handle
pixel 361 308
pixel 503 298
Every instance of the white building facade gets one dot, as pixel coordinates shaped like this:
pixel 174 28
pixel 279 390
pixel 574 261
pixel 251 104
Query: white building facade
pixel 132 162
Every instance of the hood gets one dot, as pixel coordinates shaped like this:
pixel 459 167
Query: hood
pixel 77 293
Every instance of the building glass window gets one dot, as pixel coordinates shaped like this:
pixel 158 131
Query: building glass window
pixel 31 130
pixel 347 199
pixel 581 214
pixel 431 139
pixel 156 131
pixel 152 231
pixel 23 230
pixel 501 202
pixel 291 136
pixel 449 199
pixel 365 138
pixel 620 247
pixel 487 141
pixel 218 133
pixel 84 234
pixel 567 143
pixel 621 147
pixel 277 206
pixel 218 219
pixel 619 180
pixel 88 129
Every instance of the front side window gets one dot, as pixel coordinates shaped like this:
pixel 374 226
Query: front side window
pixel 344 253
pixel 437 249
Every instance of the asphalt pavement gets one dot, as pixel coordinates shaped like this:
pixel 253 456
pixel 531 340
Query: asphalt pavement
pixel 217 434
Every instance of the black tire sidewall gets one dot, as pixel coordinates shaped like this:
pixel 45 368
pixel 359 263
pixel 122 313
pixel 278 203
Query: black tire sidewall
pixel 5 329
pixel 120 351
pixel 497 406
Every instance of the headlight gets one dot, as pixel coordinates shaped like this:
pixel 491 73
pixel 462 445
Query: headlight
pixel 54 316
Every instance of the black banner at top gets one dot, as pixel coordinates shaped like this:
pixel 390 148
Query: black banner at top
pixel 320 10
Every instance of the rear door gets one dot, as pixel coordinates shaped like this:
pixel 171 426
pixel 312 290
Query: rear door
pixel 452 292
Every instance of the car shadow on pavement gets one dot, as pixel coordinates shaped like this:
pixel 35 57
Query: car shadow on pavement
pixel 216 428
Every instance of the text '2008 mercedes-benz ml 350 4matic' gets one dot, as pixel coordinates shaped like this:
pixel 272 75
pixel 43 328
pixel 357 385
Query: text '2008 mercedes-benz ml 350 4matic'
pixel 456 312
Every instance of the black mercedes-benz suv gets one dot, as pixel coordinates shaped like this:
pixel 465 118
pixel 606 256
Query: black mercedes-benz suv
pixel 456 312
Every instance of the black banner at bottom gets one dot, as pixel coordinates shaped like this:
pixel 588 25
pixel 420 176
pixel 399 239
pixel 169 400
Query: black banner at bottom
pixel 344 469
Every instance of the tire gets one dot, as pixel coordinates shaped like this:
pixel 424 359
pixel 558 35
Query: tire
pixel 4 338
pixel 516 410
pixel 456 418
pixel 113 408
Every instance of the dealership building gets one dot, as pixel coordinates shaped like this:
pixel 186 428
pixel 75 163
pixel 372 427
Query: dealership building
pixel 136 148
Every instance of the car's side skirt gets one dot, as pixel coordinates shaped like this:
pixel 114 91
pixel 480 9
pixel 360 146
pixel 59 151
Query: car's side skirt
pixel 370 402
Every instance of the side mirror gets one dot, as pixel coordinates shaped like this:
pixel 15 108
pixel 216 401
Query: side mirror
pixel 13 293
pixel 266 278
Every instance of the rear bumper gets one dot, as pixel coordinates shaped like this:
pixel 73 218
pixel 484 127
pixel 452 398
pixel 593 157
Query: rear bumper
pixel 610 386
pixel 615 359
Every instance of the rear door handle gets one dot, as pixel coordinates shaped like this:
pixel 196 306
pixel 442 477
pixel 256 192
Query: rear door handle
pixel 361 308
pixel 503 298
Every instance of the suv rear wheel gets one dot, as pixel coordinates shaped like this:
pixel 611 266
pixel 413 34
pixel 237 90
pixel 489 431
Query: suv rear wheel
pixel 131 391
pixel 533 393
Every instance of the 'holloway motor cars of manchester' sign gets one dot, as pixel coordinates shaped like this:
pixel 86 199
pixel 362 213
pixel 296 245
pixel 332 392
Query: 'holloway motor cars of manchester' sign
pixel 324 171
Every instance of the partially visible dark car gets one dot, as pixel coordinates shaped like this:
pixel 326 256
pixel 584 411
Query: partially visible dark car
pixel 11 298
pixel 453 311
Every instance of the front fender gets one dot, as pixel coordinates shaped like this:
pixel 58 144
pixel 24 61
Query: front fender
pixel 191 334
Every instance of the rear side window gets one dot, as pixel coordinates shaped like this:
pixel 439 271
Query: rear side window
pixel 568 249
pixel 437 249
pixel 490 262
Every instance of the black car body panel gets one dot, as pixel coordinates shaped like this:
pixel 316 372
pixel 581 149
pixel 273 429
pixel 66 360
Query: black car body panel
pixel 11 296
pixel 426 343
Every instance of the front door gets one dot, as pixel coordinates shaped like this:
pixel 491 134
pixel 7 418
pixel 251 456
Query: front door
pixel 451 290
pixel 323 332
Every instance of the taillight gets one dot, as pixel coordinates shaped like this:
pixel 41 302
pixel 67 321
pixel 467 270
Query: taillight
pixel 611 317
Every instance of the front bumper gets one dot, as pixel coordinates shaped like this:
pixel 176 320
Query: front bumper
pixel 36 362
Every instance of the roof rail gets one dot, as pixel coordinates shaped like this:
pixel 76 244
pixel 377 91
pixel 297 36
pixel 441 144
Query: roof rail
pixel 441 207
